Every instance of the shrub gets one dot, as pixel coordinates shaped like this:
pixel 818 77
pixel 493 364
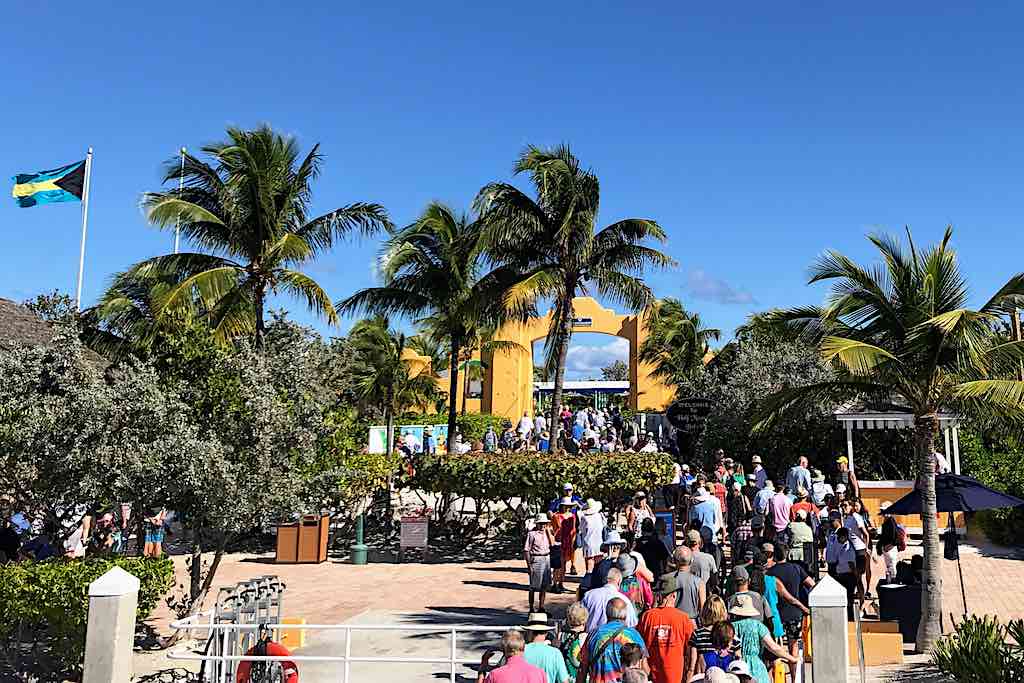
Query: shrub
pixel 52 597
pixel 997 466
pixel 981 650
pixel 610 477
pixel 472 425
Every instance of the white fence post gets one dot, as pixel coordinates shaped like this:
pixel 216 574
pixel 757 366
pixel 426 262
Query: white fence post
pixel 110 632
pixel 829 643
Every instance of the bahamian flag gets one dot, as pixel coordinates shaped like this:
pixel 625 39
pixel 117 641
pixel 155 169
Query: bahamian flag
pixel 62 184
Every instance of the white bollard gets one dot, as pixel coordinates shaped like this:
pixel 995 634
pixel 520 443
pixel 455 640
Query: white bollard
pixel 110 633
pixel 829 644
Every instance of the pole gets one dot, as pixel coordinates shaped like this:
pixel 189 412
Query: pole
pixel 1015 332
pixel 85 223
pixel 959 567
pixel 181 186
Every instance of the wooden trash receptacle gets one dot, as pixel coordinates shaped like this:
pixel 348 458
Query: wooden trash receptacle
pixel 304 541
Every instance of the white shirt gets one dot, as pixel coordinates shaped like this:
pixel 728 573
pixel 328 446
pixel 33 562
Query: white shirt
pixel 818 492
pixel 596 601
pixel 941 464
pixel 855 523
pixel 540 423
pixel 677 473
pixel 525 425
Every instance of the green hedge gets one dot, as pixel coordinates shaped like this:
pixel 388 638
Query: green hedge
pixel 52 597
pixel 539 476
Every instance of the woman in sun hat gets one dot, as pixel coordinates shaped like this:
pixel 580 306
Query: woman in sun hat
pixel 564 525
pixel 537 553
pixel 592 526
pixel 753 636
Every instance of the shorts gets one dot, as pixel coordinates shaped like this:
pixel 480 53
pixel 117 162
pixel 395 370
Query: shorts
pixel 155 535
pixel 540 573
pixel 556 555
pixel 794 630
pixel 862 561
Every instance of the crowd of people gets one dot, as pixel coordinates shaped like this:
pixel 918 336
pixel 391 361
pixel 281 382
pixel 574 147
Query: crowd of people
pixel 587 429
pixel 714 590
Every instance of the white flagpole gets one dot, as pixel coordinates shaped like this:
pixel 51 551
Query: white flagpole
pixel 85 223
pixel 181 186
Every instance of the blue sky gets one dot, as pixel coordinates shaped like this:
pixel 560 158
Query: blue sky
pixel 758 135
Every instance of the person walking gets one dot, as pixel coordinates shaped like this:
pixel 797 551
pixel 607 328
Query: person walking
pixel 567 533
pixel 820 489
pixel 592 527
pixel 702 565
pixel 602 661
pixel 636 512
pixel 754 637
pixel 859 539
pixel 713 613
pixel 799 477
pixel 596 601
pixel 541 653
pixel 741 581
pixel 760 473
pixel 516 669
pixel 537 553
pixel 778 511
pixel 846 478
pixel 690 589
pixel 793 577
pixel 761 500
pixel 667 631
pixel 650 546
pixel 574 637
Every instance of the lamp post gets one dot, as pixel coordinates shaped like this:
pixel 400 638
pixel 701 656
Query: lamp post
pixel 359 548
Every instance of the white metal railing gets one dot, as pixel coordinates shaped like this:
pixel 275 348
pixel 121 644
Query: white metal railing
pixel 225 638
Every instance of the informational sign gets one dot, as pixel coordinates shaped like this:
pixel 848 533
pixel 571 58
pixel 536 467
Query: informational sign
pixel 378 436
pixel 688 414
pixel 582 322
pixel 414 532
pixel 668 516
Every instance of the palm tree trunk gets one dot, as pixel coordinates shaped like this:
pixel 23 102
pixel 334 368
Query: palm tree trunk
pixel 258 305
pixel 926 427
pixel 563 334
pixel 390 441
pixel 453 388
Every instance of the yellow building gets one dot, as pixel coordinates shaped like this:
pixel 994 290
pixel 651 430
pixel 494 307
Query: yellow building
pixel 508 376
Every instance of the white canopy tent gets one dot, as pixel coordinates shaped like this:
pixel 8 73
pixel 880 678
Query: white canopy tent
pixel 949 424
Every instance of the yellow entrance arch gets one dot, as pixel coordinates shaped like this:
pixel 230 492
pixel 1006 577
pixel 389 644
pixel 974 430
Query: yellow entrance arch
pixel 508 381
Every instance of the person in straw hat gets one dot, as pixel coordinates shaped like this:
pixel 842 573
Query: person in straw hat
pixel 591 532
pixel 564 523
pixel 537 552
pixel 753 636
pixel 539 650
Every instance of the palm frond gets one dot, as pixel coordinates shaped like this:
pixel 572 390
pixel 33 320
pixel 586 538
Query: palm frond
pixel 306 288
pixel 858 357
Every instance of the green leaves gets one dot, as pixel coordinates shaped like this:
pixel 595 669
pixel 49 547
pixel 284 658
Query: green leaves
pixel 53 597
pixel 981 650
pixel 859 358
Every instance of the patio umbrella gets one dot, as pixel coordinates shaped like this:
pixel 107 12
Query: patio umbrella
pixel 956 493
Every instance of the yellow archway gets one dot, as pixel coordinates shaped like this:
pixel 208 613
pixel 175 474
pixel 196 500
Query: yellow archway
pixel 508 381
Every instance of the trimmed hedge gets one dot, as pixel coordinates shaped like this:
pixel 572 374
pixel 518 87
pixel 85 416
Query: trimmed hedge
pixel 609 477
pixel 53 597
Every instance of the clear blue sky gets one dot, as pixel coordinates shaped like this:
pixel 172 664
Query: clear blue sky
pixel 758 136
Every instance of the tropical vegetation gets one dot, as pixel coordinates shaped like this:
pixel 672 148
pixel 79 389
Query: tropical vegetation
pixel 553 242
pixel 677 342
pixel 903 334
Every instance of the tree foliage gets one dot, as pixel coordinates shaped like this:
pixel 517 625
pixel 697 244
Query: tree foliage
pixel 676 343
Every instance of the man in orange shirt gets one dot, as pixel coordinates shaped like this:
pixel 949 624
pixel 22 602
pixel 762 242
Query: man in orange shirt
pixel 666 631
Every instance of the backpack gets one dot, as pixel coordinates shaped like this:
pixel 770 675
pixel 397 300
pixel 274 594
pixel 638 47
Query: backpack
pixel 634 592
pixel 901 537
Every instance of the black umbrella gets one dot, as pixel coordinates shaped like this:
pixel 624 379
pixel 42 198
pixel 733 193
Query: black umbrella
pixel 955 493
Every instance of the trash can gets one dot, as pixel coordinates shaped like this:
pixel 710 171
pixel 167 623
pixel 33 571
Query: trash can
pixel 901 603
pixel 303 542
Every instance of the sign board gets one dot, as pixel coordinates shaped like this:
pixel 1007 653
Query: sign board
pixel 414 532
pixel 582 322
pixel 668 516
pixel 412 435
pixel 688 414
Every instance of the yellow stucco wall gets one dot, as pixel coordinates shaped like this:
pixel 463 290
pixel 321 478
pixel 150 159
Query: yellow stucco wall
pixel 508 381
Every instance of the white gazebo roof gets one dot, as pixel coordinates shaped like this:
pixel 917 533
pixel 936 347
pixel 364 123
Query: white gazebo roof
pixel 859 416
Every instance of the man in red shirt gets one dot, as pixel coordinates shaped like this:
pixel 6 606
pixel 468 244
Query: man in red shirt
pixel 667 631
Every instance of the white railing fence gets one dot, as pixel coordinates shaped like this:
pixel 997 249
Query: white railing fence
pixel 227 644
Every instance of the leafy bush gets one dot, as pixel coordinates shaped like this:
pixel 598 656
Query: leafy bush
pixel 52 597
pixel 538 476
pixel 981 650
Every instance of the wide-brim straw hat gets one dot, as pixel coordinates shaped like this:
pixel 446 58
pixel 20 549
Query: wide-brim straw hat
pixel 613 539
pixel 538 621
pixel 744 607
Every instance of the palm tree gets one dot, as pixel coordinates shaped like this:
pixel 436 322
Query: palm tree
pixel 902 333
pixel 553 241
pixel 434 268
pixel 676 343
pixel 248 211
pixel 425 344
pixel 381 377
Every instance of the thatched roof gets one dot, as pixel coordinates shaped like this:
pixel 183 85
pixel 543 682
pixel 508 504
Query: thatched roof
pixel 19 325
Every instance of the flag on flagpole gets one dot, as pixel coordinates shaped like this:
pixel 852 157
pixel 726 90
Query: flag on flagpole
pixel 64 184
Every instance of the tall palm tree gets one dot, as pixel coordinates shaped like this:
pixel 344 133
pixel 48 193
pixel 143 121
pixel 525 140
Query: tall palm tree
pixel 248 212
pixel 434 269
pixel 902 333
pixel 676 342
pixel 553 240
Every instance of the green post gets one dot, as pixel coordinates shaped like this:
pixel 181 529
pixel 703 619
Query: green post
pixel 359 549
